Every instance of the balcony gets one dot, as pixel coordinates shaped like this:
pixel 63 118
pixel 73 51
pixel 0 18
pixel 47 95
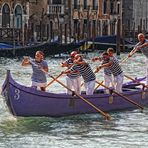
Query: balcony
pixel 56 9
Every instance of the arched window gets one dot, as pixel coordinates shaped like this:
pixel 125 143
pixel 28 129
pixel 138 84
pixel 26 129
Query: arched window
pixel 18 17
pixel 6 16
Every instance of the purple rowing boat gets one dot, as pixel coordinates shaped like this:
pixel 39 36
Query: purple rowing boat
pixel 25 101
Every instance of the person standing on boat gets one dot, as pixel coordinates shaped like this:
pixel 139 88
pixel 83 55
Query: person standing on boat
pixel 38 65
pixel 142 45
pixel 116 70
pixel 108 77
pixel 86 72
pixel 73 80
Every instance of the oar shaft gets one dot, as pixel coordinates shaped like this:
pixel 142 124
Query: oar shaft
pixel 57 77
pixel 107 116
pixel 98 85
pixel 54 79
pixel 124 60
pixel 129 55
pixel 136 81
pixel 124 97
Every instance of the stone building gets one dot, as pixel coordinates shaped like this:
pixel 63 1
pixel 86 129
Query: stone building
pixel 135 17
pixel 63 20
pixel 97 17
pixel 22 20
pixel 81 19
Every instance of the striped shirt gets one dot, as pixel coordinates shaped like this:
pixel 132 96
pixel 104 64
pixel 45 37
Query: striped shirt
pixel 86 72
pixel 72 75
pixel 107 71
pixel 145 49
pixel 115 68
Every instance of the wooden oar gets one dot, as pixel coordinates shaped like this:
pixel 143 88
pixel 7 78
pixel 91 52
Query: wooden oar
pixel 124 60
pixel 124 97
pixel 107 116
pixel 136 81
pixel 54 80
pixel 57 77
pixel 131 54
pixel 98 85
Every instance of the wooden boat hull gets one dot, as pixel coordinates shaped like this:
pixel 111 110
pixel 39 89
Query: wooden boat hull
pixel 25 101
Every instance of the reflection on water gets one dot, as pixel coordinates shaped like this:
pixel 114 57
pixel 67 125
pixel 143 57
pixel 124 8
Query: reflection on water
pixel 125 130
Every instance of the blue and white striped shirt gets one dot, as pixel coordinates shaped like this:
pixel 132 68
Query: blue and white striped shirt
pixel 115 68
pixel 72 75
pixel 86 72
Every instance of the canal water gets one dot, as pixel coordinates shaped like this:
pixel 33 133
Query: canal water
pixel 128 129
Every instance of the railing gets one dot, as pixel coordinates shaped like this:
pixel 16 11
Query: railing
pixel 54 9
pixel 6 34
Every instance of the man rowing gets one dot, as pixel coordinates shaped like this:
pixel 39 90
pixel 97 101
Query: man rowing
pixel 115 69
pixel 86 72
pixel 73 79
pixel 142 46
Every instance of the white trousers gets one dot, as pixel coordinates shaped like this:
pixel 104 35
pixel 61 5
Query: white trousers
pixel 38 85
pixel 73 84
pixel 147 71
pixel 89 87
pixel 108 81
pixel 118 81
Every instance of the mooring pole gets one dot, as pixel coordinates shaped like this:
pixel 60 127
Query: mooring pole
pixel 118 36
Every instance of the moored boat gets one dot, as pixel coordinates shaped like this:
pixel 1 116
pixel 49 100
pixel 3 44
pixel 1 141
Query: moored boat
pixel 49 49
pixel 25 101
pixel 104 42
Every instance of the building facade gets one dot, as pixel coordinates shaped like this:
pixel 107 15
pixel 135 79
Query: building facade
pixel 84 19
pixel 96 17
pixel 22 20
pixel 135 17
pixel 62 20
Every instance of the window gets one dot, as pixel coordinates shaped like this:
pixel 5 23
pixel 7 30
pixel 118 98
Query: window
pixel 112 8
pixel 94 5
pixel 75 4
pixel 118 8
pixel 85 4
pixel 5 16
pixel 105 7
pixel 56 2
pixel 18 16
